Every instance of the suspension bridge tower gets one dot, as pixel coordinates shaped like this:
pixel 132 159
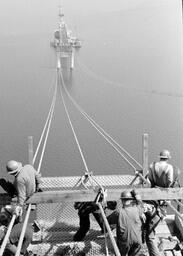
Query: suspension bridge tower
pixel 62 44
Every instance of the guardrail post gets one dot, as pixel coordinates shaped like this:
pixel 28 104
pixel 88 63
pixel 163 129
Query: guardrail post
pixel 30 149
pixel 145 153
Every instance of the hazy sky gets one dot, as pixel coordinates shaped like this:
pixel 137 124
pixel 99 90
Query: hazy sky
pixel 17 15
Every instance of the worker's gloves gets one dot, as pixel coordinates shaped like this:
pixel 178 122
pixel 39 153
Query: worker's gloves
pixel 39 189
pixel 136 196
pixel 101 196
pixel 111 205
pixel 18 210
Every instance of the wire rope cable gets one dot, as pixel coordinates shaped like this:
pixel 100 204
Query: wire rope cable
pixel 75 137
pixel 46 124
pixel 48 129
pixel 71 125
pixel 105 81
pixel 108 138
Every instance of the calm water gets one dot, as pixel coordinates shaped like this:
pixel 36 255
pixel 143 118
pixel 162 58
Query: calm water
pixel 127 77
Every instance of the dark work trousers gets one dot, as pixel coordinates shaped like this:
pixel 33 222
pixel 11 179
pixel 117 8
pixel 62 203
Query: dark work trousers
pixel 12 192
pixel 8 187
pixel 84 220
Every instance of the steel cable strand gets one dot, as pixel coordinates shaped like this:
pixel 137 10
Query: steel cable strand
pixel 93 124
pixel 111 141
pixel 46 123
pixel 97 77
pixel 75 137
pixel 90 177
pixel 100 78
pixel 130 156
pixel 71 125
pixel 104 134
pixel 48 129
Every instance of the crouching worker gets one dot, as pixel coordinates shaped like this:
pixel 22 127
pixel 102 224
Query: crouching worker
pixel 128 220
pixel 26 181
pixel 5 218
pixel 84 211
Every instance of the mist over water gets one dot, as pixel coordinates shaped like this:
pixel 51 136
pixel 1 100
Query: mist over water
pixel 127 77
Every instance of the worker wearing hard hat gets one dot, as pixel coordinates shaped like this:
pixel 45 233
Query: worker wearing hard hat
pixel 161 173
pixel 26 181
pixel 128 220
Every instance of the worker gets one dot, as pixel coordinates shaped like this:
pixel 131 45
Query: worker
pixel 152 217
pixel 84 211
pixel 26 181
pixel 11 246
pixel 128 220
pixel 161 173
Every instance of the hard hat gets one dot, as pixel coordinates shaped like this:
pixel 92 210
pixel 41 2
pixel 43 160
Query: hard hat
pixel 4 218
pixel 126 195
pixel 13 167
pixel 165 154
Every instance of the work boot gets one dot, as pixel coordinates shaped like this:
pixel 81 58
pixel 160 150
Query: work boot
pixel 36 226
pixel 29 253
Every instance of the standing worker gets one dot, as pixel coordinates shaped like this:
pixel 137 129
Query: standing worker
pixel 128 220
pixel 161 173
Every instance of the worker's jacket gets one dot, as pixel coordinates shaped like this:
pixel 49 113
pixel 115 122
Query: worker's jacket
pixel 128 222
pixel 25 183
pixel 162 174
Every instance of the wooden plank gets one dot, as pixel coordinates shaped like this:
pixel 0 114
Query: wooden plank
pixel 112 194
pixel 30 149
pixel 179 225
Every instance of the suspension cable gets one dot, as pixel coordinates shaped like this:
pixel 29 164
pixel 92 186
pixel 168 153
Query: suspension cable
pixel 70 122
pixel 90 177
pixel 108 138
pixel 47 120
pixel 48 129
pixel 105 81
